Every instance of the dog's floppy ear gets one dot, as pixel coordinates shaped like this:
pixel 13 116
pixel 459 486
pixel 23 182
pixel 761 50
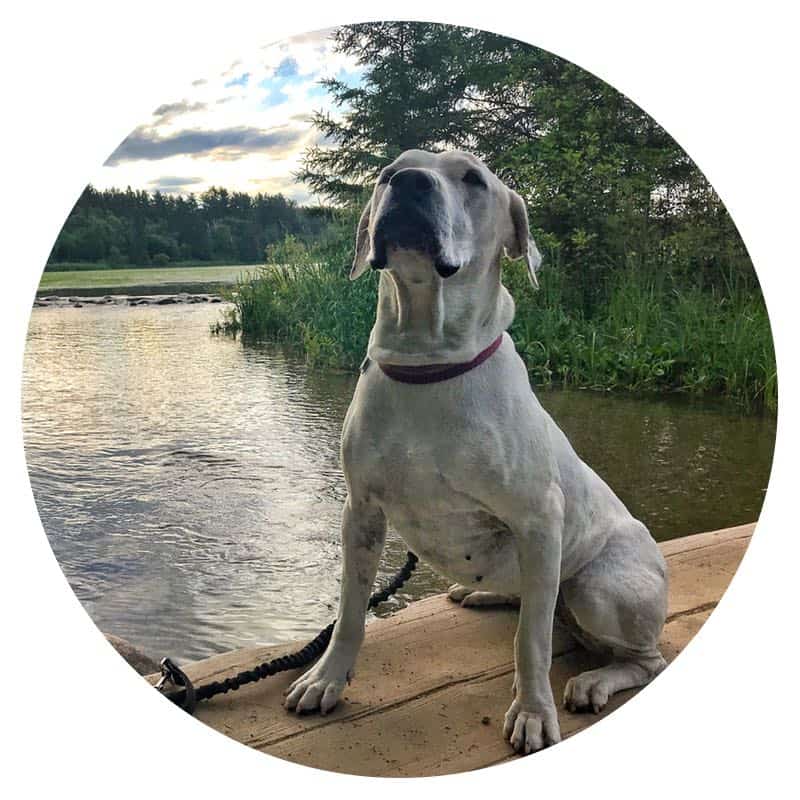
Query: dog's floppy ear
pixel 521 244
pixel 362 243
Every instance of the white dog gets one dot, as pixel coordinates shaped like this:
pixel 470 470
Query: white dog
pixel 446 441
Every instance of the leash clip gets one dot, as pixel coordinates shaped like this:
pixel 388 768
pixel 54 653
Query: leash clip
pixel 172 673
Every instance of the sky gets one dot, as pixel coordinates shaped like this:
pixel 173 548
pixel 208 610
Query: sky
pixel 244 129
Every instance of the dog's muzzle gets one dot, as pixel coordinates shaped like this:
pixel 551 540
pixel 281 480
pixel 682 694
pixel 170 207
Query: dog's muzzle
pixel 406 221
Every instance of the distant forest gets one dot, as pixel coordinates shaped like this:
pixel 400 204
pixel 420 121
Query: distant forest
pixel 115 228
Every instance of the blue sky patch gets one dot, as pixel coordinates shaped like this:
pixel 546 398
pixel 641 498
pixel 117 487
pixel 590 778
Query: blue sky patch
pixel 288 68
pixel 240 81
pixel 316 90
pixel 350 77
pixel 275 98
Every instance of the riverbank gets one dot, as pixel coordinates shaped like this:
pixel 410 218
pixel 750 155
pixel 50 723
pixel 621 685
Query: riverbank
pixel 143 280
pixel 98 266
pixel 651 334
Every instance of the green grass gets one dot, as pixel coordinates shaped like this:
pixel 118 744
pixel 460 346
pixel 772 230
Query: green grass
pixel 650 336
pixel 141 276
pixel 80 266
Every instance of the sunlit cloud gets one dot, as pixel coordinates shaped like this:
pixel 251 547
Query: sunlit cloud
pixel 245 128
pixel 174 184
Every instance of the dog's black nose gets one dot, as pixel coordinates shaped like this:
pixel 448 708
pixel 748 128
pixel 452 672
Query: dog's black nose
pixel 446 270
pixel 412 182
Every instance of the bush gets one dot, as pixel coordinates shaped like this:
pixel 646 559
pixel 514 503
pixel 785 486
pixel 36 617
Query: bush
pixel 160 260
pixel 311 303
pixel 648 335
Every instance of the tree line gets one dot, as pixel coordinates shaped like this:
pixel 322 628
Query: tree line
pixel 114 227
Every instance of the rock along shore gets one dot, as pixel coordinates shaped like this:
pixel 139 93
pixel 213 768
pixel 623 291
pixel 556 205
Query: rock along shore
pixel 79 301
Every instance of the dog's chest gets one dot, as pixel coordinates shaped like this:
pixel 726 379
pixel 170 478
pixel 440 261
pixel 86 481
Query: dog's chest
pixel 424 491
pixel 470 547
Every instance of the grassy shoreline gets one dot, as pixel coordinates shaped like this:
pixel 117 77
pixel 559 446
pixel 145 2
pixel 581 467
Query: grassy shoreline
pixel 79 280
pixel 651 335
pixel 96 266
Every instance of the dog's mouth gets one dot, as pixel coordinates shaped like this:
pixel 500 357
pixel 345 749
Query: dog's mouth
pixel 408 229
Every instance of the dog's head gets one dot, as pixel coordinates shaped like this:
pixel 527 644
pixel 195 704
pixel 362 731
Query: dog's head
pixel 449 211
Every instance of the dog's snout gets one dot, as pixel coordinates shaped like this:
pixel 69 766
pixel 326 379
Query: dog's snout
pixel 412 182
pixel 446 270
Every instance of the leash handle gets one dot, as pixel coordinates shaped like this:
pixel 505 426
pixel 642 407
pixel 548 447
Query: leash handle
pixel 172 673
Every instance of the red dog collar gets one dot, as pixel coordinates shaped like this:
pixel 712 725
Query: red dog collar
pixel 433 373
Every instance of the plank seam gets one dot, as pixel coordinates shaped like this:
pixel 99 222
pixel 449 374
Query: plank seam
pixel 687 612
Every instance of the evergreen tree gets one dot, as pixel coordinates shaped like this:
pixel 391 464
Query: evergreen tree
pixel 607 188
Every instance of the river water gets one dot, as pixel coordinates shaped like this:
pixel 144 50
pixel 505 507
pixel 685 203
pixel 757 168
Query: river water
pixel 190 485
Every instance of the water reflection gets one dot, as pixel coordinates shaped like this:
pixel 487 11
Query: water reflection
pixel 190 487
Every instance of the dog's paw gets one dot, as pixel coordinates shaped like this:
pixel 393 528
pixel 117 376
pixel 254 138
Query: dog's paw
pixel 529 730
pixel 587 692
pixel 472 598
pixel 457 592
pixel 318 689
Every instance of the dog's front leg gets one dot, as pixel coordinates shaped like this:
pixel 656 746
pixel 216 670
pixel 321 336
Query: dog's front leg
pixel 363 535
pixel 531 722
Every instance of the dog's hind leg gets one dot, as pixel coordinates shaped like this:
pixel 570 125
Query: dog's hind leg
pixel 617 605
pixel 472 598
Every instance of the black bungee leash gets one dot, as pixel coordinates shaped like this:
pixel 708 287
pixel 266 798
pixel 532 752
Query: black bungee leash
pixel 176 686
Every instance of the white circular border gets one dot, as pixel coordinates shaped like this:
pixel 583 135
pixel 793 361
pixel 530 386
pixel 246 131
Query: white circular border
pixel 79 76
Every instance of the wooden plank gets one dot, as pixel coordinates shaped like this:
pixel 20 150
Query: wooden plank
pixel 455 728
pixel 701 540
pixel 429 676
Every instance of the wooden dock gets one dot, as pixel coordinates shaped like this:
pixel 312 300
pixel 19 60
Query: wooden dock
pixel 433 681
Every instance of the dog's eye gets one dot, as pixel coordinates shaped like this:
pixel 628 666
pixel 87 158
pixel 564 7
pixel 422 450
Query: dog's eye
pixel 474 178
pixel 386 176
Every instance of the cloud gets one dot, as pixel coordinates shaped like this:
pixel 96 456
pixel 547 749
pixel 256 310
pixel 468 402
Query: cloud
pixel 259 126
pixel 285 185
pixel 312 37
pixel 168 111
pixel 144 144
pixel 173 180
pixel 321 139
pixel 174 184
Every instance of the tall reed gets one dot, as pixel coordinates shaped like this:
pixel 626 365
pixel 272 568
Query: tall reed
pixel 651 335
